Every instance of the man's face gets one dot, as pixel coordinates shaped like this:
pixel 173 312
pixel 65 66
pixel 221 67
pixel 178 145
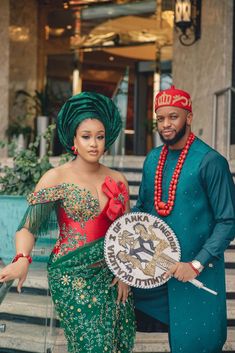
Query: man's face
pixel 172 124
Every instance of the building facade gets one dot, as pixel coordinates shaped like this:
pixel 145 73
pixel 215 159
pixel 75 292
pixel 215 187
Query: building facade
pixel 35 53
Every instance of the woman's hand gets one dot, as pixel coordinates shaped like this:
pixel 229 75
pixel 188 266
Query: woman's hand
pixel 18 269
pixel 123 290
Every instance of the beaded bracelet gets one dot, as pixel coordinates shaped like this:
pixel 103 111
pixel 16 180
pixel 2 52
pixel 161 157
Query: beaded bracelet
pixel 28 257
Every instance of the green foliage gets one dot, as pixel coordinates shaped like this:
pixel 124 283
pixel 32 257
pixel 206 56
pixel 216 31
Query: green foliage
pixel 151 126
pixel 16 128
pixel 42 100
pixel 35 103
pixel 24 111
pixel 64 158
pixel 27 169
pixel 154 125
pixel 26 107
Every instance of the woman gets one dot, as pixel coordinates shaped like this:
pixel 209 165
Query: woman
pixel 82 198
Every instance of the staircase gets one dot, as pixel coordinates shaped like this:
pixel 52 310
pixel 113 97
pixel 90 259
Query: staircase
pixel 28 322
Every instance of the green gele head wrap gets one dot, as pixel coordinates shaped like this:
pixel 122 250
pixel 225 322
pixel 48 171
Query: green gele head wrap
pixel 83 106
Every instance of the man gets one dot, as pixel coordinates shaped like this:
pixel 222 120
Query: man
pixel 188 185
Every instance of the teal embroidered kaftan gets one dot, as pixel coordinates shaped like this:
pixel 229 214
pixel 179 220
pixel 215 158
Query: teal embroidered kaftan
pixel 203 218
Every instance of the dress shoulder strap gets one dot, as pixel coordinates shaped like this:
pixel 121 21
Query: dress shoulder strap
pixel 50 194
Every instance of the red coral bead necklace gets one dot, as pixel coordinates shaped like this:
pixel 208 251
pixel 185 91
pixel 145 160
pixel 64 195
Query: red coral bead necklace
pixel 165 208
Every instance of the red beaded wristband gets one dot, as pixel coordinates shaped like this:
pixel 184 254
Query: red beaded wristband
pixel 28 257
pixel 194 268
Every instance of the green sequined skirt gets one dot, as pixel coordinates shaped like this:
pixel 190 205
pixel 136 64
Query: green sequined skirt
pixel 86 304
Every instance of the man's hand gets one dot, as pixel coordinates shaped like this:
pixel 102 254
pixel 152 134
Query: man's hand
pixel 123 290
pixel 181 271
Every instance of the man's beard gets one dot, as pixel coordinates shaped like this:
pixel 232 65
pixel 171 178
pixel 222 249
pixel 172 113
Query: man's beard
pixel 175 139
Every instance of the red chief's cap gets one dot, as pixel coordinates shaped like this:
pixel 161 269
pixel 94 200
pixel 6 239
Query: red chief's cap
pixel 173 97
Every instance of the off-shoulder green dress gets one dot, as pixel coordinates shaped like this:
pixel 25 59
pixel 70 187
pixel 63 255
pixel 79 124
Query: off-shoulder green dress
pixel 79 278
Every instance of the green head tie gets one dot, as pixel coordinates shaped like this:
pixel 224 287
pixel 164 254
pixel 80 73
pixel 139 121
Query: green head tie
pixel 88 105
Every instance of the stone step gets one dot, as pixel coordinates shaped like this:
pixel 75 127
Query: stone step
pixel 26 305
pixel 119 162
pixel 39 306
pixel 113 162
pixel 134 190
pixel 230 282
pixel 229 255
pixel 231 309
pixel 38 279
pixel 27 337
pixel 159 345
pixel 37 339
pixel 232 242
pixel 19 335
pixel 152 342
pixel 122 162
pixel 133 175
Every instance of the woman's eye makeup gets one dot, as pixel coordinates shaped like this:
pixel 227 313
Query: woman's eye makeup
pixel 99 137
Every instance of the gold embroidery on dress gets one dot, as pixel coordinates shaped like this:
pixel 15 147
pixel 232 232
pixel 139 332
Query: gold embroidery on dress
pixel 78 203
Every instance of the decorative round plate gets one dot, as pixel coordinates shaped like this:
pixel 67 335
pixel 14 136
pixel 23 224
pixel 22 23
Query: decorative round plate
pixel 139 249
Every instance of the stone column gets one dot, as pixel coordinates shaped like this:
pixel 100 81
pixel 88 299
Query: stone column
pixel 206 67
pixel 18 59
pixel 23 49
pixel 4 67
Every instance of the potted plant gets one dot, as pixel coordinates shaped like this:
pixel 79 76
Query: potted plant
pixel 153 139
pixel 19 132
pixel 36 105
pixel 21 123
pixel 17 181
pixel 156 139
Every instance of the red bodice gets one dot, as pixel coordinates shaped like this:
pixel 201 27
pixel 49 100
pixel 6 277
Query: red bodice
pixel 79 217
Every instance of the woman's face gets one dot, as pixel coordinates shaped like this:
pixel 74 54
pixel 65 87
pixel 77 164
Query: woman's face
pixel 90 140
